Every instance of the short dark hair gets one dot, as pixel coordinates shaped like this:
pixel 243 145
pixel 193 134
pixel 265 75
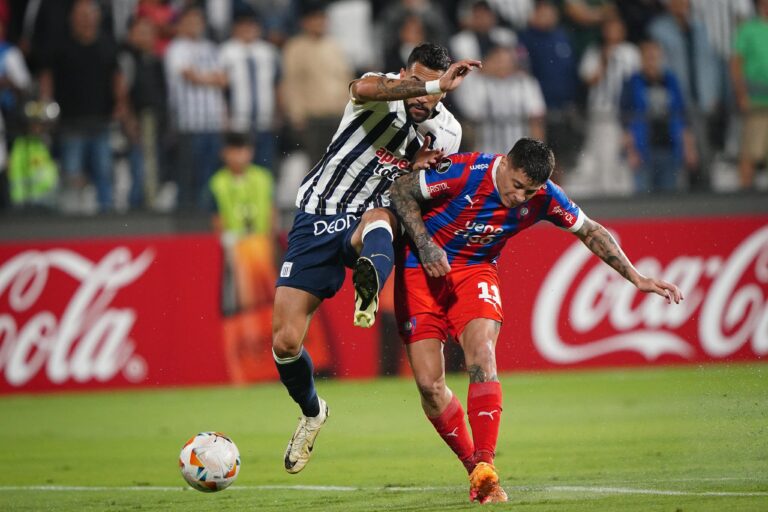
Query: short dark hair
pixel 236 140
pixel 534 157
pixel 430 55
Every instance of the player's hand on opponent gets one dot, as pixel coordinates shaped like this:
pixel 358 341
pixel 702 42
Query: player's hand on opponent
pixel 425 157
pixel 433 259
pixel 667 290
pixel 454 75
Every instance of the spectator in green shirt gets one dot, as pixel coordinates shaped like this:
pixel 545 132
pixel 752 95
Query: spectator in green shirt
pixel 242 194
pixel 749 70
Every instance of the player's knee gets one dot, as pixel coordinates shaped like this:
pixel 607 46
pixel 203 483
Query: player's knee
pixel 479 351
pixel 286 340
pixel 431 390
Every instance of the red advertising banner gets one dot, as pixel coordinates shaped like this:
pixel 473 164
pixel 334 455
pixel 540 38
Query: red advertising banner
pixel 107 313
pixel 146 310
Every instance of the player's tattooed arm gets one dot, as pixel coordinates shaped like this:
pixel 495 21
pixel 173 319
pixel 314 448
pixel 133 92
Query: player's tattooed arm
pixel 604 245
pixel 405 195
pixel 381 88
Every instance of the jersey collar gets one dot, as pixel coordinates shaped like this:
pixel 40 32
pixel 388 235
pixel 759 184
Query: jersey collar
pixel 494 168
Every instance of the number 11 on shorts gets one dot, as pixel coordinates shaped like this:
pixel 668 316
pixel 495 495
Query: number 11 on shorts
pixel 489 294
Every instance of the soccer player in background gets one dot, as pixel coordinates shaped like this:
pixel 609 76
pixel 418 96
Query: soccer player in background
pixel 340 220
pixel 447 281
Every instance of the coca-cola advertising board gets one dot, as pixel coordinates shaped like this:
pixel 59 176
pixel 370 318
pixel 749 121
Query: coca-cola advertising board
pixel 145 311
pixel 106 313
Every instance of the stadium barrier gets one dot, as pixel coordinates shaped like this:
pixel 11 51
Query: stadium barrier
pixel 144 310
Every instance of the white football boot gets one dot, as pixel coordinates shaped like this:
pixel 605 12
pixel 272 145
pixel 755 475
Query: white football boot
pixel 300 447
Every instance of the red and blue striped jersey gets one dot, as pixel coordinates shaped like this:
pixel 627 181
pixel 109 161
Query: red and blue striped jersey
pixel 465 216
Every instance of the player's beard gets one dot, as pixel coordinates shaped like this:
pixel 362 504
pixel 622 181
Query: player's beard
pixel 422 113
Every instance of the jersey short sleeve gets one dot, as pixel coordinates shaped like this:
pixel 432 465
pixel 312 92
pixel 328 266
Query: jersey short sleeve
pixel 562 212
pixel 446 179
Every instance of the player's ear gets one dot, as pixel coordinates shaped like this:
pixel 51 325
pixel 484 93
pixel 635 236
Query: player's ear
pixel 402 73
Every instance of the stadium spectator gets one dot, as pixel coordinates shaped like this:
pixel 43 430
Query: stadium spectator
pixel 749 68
pixel 637 15
pixel 350 24
pixel 315 83
pixel 513 13
pixel 605 68
pixel 197 110
pixel 438 27
pixel 145 120
pixel 553 62
pixel 481 34
pixel 83 76
pixel 243 219
pixel 721 19
pixel 253 69
pixel 692 60
pixel 411 34
pixel 504 102
pixel 447 282
pixel 583 19
pixel 15 83
pixel 162 15
pixel 658 141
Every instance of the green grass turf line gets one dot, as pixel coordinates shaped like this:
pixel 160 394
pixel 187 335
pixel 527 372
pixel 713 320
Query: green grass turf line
pixel 689 429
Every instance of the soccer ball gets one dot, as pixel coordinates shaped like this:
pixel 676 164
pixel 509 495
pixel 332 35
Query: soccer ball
pixel 209 462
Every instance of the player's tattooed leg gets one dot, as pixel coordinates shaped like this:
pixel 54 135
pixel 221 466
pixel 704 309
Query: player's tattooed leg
pixel 477 374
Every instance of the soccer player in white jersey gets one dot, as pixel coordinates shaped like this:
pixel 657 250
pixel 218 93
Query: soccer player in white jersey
pixel 387 128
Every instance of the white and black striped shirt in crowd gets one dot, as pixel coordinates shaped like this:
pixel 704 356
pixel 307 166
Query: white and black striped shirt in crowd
pixel 623 61
pixel 194 108
pixel 253 71
pixel 501 108
pixel 721 18
pixel 371 148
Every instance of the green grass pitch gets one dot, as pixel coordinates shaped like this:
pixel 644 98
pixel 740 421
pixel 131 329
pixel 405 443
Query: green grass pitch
pixel 667 439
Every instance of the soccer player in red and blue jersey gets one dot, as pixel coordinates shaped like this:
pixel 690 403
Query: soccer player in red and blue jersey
pixel 447 281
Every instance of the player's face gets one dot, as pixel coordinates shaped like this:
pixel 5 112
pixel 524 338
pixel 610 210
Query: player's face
pixel 419 109
pixel 515 186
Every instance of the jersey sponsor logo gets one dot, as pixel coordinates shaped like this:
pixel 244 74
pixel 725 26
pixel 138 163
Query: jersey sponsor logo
pixel 390 173
pixel 286 270
pixel 444 165
pixel 386 157
pixel 478 167
pixel 567 216
pixel 335 226
pixel 437 187
pixel 477 233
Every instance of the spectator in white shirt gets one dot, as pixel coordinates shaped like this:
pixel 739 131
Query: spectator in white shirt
pixel 483 33
pixel 197 110
pixel 604 69
pixel 253 70
pixel 503 103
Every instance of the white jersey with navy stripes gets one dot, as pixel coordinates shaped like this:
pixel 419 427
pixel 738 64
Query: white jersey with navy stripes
pixel 371 148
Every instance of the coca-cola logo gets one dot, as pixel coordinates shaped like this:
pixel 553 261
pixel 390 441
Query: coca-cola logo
pixel 91 338
pixel 725 296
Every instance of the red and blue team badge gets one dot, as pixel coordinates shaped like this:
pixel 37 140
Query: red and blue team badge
pixel 410 325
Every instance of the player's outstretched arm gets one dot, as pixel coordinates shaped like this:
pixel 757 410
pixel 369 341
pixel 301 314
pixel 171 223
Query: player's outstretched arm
pixel 602 243
pixel 381 88
pixel 406 195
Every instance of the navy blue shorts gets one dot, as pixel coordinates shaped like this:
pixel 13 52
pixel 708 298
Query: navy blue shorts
pixel 319 247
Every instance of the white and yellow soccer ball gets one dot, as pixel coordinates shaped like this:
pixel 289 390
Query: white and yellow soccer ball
pixel 209 461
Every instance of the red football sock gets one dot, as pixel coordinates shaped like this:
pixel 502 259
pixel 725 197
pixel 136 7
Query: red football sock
pixel 484 407
pixel 453 429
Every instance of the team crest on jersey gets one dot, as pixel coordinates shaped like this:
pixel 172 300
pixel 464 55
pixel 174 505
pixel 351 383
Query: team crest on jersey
pixel 523 211
pixel 444 165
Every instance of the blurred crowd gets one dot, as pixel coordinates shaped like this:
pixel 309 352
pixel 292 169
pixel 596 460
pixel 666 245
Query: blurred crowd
pixel 114 105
